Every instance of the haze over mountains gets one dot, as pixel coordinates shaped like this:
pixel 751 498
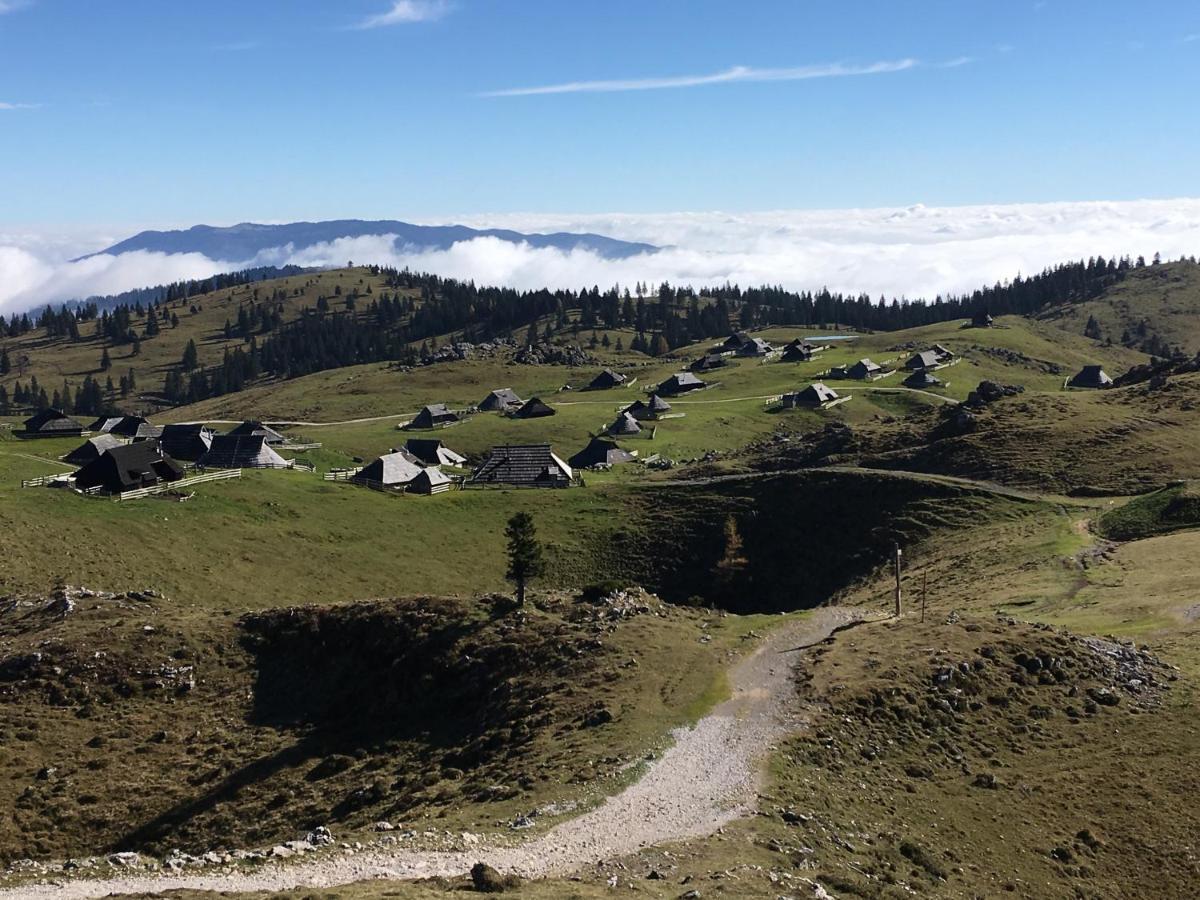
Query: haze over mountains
pixel 915 251
pixel 245 241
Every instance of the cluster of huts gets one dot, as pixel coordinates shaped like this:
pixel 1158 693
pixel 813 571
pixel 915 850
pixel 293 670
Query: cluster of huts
pixel 125 453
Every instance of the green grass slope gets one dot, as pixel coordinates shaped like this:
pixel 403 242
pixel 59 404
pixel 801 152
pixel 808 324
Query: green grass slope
pixel 1162 301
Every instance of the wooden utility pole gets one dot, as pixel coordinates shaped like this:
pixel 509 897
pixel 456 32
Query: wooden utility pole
pixel 899 606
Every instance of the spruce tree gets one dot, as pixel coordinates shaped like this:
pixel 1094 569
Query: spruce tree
pixel 525 560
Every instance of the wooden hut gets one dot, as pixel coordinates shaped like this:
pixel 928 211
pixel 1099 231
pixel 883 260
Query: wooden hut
pixel 680 383
pixel 432 452
pixel 128 467
pixel 501 400
pixel 601 451
pixel 430 480
pixel 606 380
pixel 394 470
pixel 534 408
pixel 92 449
pixel 436 415
pixel 242 451
pixel 51 423
pixel 653 407
pixel 185 442
pixel 526 465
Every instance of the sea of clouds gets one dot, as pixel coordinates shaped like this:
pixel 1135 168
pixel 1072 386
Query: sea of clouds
pixel 914 252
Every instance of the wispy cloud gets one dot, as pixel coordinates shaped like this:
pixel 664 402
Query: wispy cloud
pixel 956 62
pixel 7 6
pixel 405 12
pixel 7 106
pixel 1191 38
pixel 728 76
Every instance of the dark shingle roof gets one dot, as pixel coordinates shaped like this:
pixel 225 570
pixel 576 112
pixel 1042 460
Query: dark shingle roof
pixel 91 449
pixel 434 414
pixel 650 408
pixel 432 452
pixel 526 465
pixel 128 467
pixel 601 451
pixel 241 451
pixel 922 379
pixel 534 408
pixel 606 379
pixel 926 359
pixel 52 422
pixel 125 426
pixel 679 383
pixel 258 429
pixel 1091 377
pixel 624 424
pixel 186 442
pixel 500 399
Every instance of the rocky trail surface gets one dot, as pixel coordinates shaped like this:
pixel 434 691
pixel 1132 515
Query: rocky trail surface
pixel 709 776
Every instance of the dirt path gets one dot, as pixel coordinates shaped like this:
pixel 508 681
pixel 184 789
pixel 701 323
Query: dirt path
pixel 710 776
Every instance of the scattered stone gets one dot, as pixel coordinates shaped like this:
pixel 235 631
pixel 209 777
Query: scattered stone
pixel 126 860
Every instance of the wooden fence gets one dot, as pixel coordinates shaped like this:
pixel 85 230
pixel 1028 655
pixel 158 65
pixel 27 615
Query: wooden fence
pixel 219 475
pixel 44 479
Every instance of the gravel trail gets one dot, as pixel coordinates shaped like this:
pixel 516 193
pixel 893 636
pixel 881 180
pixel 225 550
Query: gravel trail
pixel 709 777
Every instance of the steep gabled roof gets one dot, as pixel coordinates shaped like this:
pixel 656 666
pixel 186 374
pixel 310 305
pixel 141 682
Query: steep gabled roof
pixel 128 467
pixel 709 361
pixel 432 452
pixel 52 422
pixel 500 399
pixel 125 426
pixel 735 341
pixel 430 480
pixel 863 368
pixel 922 379
pixel 258 429
pixel 601 451
pixel 755 347
pixel 650 408
pixel 398 467
pixel 241 451
pixel 434 414
pixel 91 449
pixel 926 359
pixel 815 394
pixel 607 379
pixel 624 424
pixel 1091 377
pixel 680 383
pixel 186 442
pixel 524 465
pixel 534 408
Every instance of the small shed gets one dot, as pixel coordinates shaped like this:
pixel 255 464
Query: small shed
pixel 981 319
pixel 434 416
pixel 534 408
pixel 395 469
pixel 800 351
pixel 815 395
pixel 432 452
pixel 624 425
pixel 601 451
pixel 92 449
pixel 52 423
pixel 122 426
pixel 430 480
pixel 500 400
pixel 926 359
pixel 755 347
pixel 128 467
pixel 525 465
pixel 922 379
pixel 861 370
pixel 680 383
pixel 241 451
pixel 607 379
pixel 1091 377
pixel 735 342
pixel 653 407
pixel 258 429
pixel 185 442
pixel 708 362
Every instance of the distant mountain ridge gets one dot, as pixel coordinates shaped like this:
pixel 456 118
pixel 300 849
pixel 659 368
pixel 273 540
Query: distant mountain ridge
pixel 242 243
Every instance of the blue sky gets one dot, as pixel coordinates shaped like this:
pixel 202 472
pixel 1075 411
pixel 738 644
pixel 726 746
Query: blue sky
pixel 143 111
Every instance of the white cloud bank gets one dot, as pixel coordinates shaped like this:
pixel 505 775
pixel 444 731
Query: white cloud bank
pixel 914 252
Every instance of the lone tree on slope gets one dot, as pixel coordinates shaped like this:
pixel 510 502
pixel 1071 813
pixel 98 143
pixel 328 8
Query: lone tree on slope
pixel 525 559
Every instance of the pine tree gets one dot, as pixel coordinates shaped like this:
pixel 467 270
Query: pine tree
pixel 105 361
pixel 525 560
pixel 191 357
